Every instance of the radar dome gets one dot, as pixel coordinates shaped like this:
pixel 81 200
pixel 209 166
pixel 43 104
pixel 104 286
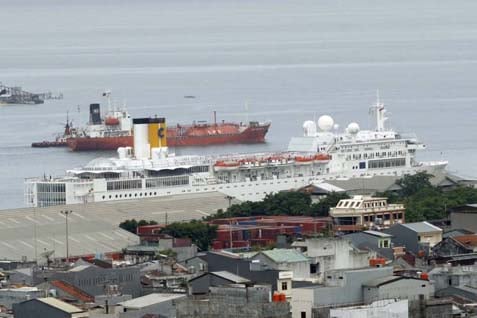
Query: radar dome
pixel 353 128
pixel 309 128
pixel 325 122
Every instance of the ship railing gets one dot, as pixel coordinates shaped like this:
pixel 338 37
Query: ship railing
pixel 389 208
pixel 57 180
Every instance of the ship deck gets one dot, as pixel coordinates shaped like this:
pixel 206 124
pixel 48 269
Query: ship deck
pixel 93 227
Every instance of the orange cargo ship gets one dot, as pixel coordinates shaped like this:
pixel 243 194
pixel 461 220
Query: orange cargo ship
pixel 115 130
pixel 182 136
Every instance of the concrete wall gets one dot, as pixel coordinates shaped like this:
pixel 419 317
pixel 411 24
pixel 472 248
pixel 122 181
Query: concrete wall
pixel 454 276
pixel 466 221
pixel 236 302
pixel 381 309
pixel 403 289
pixel 341 287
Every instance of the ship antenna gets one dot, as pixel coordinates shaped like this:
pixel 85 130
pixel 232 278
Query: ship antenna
pixel 107 94
pixel 246 112
pixel 378 110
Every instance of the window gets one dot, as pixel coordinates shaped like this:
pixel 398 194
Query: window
pixel 284 286
pixel 303 314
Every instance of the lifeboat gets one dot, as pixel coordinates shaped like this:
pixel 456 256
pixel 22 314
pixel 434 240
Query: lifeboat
pixel 111 121
pixel 304 160
pixel 226 165
pixel 322 157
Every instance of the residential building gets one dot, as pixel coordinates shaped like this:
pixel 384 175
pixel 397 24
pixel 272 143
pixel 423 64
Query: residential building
pixel 47 307
pixel 341 287
pixel 201 284
pixel 366 212
pixel 400 287
pixel 284 260
pixel 417 237
pixel 10 296
pixel 163 304
pixel 240 265
pixel 464 217
pixel 376 241
pixel 331 253
pixel 234 301
pixel 456 245
pixel 458 276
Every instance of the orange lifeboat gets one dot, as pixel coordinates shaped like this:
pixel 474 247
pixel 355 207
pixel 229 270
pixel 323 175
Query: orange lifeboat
pixel 226 165
pixel 111 121
pixel 304 160
pixel 322 157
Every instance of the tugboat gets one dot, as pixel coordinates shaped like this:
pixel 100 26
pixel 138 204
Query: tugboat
pixel 60 141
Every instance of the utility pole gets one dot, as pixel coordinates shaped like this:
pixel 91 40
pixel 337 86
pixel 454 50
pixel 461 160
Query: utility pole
pixel 66 213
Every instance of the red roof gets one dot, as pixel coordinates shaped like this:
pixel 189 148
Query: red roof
pixel 469 240
pixel 72 290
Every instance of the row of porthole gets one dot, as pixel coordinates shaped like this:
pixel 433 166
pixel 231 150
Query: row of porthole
pixel 119 196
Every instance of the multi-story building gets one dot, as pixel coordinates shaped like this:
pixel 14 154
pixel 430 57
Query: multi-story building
pixel 366 212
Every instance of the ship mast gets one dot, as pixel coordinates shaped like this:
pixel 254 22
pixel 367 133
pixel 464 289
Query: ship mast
pixel 378 110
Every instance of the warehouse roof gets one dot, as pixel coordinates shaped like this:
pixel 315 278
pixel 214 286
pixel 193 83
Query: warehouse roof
pixel 149 300
pixel 283 255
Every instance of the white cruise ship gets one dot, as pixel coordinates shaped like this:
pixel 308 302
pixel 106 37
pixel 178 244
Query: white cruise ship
pixel 149 170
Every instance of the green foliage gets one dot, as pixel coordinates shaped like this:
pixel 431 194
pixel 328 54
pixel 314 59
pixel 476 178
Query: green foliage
pixel 202 234
pixel 426 202
pixel 282 203
pixel 131 225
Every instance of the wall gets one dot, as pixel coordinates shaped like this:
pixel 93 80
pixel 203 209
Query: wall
pixel 381 309
pixel 402 289
pixel 466 221
pixel 9 297
pixel 341 287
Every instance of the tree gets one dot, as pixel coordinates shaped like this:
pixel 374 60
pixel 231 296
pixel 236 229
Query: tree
pixel 132 225
pixel 322 207
pixel 202 234
pixel 412 184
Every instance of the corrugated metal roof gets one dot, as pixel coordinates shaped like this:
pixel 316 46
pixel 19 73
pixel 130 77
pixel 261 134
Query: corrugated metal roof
pixel 376 233
pixel 282 255
pixel 148 300
pixel 61 305
pixel 231 277
pixel 422 227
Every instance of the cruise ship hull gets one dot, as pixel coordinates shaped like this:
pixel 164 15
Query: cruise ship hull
pixel 179 137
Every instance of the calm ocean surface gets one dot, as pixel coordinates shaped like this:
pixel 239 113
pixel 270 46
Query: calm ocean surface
pixel 290 60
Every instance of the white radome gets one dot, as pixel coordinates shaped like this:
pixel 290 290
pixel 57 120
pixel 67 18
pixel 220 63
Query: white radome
pixel 309 128
pixel 325 123
pixel 353 128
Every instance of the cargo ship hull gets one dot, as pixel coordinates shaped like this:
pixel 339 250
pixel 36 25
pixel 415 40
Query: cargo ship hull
pixel 180 137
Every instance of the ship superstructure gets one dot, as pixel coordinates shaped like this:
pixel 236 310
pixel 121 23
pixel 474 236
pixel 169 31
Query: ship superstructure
pixel 149 170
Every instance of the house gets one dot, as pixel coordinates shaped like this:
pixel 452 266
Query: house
pixel 330 253
pixel 365 212
pixel 417 237
pixel 396 287
pixel 389 308
pixel 240 265
pixel 340 287
pixel 47 307
pixel 10 296
pixel 456 245
pixel 449 276
pixel 156 303
pixel 201 284
pixel 376 241
pixel 234 301
pixel 464 217
pixel 284 260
